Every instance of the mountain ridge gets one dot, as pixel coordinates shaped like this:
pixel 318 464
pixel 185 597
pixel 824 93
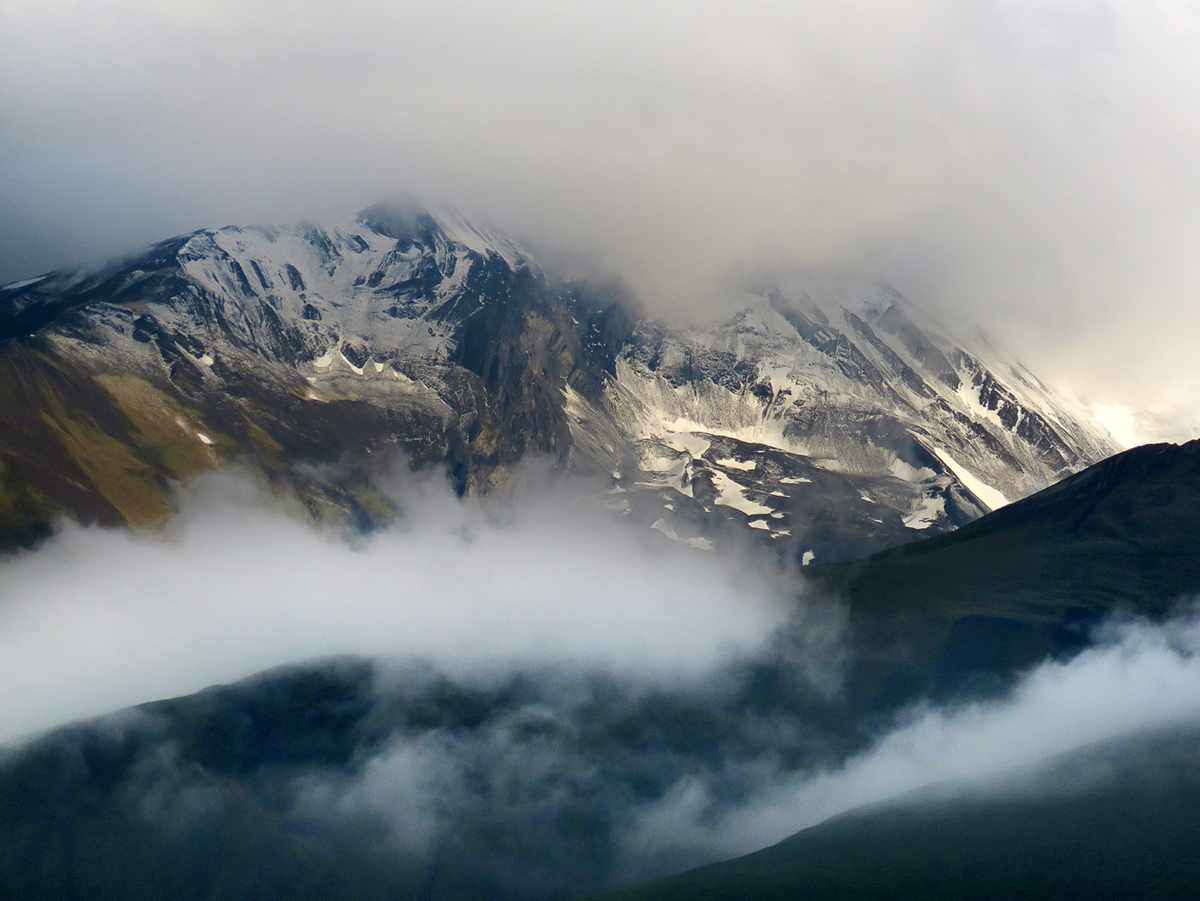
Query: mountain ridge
pixel 410 328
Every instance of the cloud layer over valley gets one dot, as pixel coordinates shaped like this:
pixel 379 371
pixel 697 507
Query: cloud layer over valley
pixel 99 619
pixel 1139 678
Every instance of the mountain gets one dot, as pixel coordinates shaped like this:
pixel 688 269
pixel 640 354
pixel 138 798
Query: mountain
pixel 291 348
pixel 828 419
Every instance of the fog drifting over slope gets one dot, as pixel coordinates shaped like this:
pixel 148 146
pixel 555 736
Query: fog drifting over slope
pixel 635 661
pixel 98 619
pixel 1139 678
pixel 1026 165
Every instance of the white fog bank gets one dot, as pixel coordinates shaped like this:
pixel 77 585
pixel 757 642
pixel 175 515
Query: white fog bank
pixel 98 619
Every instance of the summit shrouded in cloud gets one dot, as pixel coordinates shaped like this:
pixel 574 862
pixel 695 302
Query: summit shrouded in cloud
pixel 1028 166
pixel 829 417
pixel 647 483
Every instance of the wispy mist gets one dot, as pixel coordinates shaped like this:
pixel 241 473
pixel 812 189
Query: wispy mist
pixel 1138 678
pixel 560 779
pixel 533 762
pixel 98 619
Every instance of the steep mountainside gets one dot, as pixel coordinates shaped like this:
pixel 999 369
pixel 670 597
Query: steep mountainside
pixel 828 419
pixel 837 414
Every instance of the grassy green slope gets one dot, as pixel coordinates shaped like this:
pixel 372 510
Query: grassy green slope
pixel 102 449
pixel 108 445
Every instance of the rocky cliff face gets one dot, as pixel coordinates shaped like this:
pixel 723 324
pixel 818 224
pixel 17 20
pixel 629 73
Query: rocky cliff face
pixel 828 420
pixel 837 416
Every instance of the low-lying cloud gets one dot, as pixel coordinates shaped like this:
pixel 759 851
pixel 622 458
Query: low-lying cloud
pixel 97 619
pixel 640 784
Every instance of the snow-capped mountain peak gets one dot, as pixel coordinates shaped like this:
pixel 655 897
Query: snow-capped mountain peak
pixel 828 416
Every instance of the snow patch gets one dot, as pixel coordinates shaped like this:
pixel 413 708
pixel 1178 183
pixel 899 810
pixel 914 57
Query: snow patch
pixel 991 498
pixel 700 543
pixel 195 433
pixel 734 495
pixel 687 442
pixel 744 465
pixel 671 472
pixel 925 513
pixel 909 473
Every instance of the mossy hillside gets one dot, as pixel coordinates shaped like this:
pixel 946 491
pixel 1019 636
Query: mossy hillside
pixel 109 447
pixel 171 429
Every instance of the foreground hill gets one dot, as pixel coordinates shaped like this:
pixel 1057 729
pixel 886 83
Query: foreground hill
pixel 826 418
pixel 1122 537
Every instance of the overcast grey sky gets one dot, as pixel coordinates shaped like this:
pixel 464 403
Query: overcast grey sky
pixel 1028 165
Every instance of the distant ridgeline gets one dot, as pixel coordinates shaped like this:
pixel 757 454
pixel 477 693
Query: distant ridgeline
pixel 825 419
